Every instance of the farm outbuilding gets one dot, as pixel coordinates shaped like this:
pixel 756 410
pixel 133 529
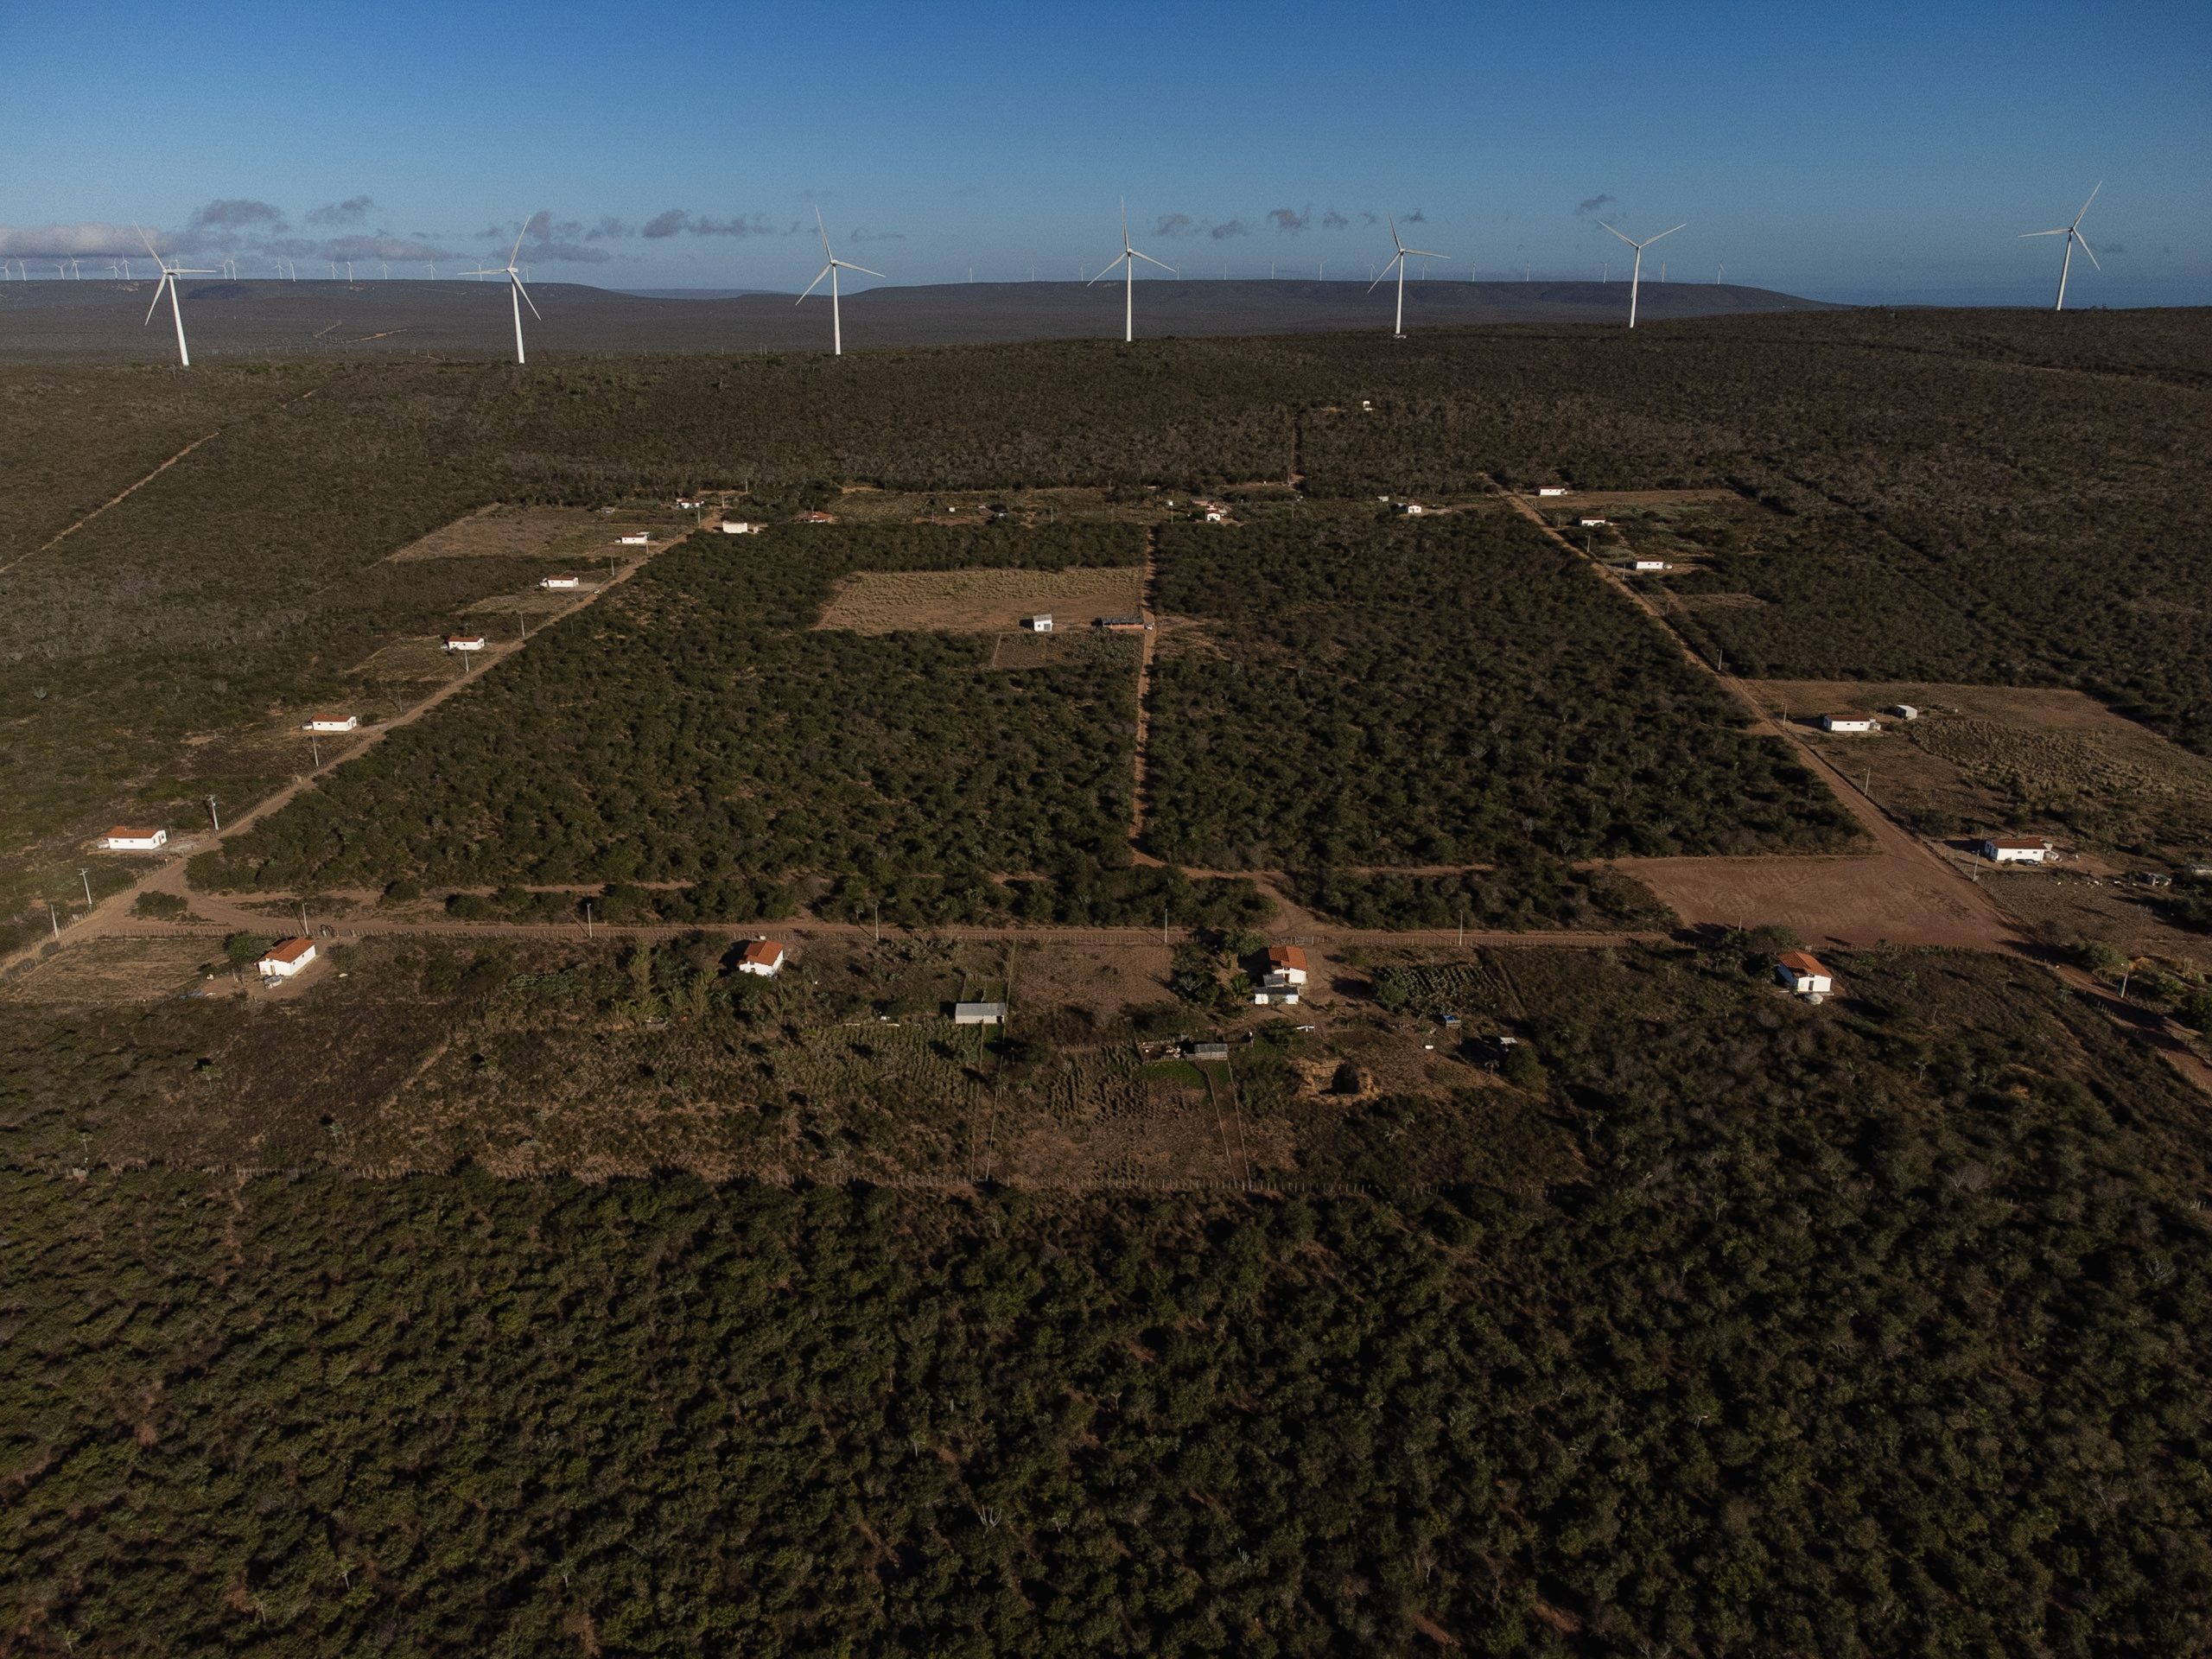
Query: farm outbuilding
pixel 124 839
pixel 979 1013
pixel 331 722
pixel 1850 723
pixel 1595 524
pixel 282 961
pixel 1040 623
pixel 638 538
pixel 1648 564
pixel 763 959
pixel 741 527
pixel 465 642
pixel 1288 961
pixel 1121 623
pixel 1551 489
pixel 1279 997
pixel 560 584
pixel 2015 849
pixel 1905 711
pixel 1208 1051
pixel 1803 974
pixel 817 518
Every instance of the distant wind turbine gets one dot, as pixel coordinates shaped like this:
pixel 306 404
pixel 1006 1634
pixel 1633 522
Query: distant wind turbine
pixel 384 270
pixel 2073 234
pixel 434 269
pixel 515 291
pixel 830 271
pixel 1636 275
pixel 169 274
pixel 1127 261
pixel 1398 264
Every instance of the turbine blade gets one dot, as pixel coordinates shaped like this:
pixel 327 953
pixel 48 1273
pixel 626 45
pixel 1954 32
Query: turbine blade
pixel 2061 231
pixel 1395 242
pixel 2084 213
pixel 824 229
pixel 817 282
pixel 1648 240
pixel 1385 277
pixel 526 300
pixel 848 265
pixel 1108 271
pixel 1125 224
pixel 2086 249
pixel 1149 260
pixel 518 237
pixel 1423 253
pixel 148 241
pixel 158 287
pixel 1631 240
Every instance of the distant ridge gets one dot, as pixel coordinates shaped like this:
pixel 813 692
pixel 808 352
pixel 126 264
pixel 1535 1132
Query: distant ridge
pixel 50 321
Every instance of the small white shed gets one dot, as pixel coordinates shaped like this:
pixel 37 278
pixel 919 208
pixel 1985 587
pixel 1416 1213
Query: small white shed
pixel 560 584
pixel 1849 723
pixel 1040 623
pixel 1803 974
pixel 465 642
pixel 124 839
pixel 2010 849
pixel 979 1013
pixel 763 959
pixel 331 724
pixel 284 960
pixel 1551 489
pixel 740 527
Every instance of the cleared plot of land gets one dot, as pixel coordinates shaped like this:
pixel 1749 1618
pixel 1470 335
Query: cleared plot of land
pixel 108 970
pixel 980 601
pixel 408 659
pixel 541 532
pixel 2037 760
pixel 1842 901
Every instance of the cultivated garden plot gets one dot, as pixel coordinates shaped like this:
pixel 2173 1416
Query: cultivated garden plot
pixel 1377 691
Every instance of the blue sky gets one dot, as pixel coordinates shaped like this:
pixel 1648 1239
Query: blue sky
pixel 1865 152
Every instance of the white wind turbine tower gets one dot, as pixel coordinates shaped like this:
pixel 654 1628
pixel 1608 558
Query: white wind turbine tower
pixel 2073 234
pixel 383 270
pixel 1127 261
pixel 1636 275
pixel 169 274
pixel 514 288
pixel 1398 264
pixel 830 271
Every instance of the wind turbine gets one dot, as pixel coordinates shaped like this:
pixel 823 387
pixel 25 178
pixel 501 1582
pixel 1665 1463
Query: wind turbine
pixel 2073 234
pixel 1398 264
pixel 830 271
pixel 1636 275
pixel 169 274
pixel 1127 261
pixel 383 270
pixel 515 291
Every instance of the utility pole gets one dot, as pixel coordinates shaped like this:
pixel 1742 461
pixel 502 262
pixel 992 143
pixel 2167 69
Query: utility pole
pixel 879 921
pixel 587 931
pixel 86 877
pixel 315 748
pixel 52 921
pixel 214 815
pixel 521 623
pixel 303 918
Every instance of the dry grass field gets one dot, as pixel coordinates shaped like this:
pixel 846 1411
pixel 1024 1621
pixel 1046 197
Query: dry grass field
pixel 2062 908
pixel 421 658
pixel 541 532
pixel 979 601
pixel 2035 759
pixel 102 971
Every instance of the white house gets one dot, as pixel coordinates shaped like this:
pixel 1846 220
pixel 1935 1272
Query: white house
pixel 1849 723
pixel 560 584
pixel 1803 974
pixel 1040 623
pixel 1595 524
pixel 639 539
pixel 465 642
pixel 1648 564
pixel 124 839
pixel 331 722
pixel 1551 489
pixel 2006 850
pixel 1216 515
pixel 764 958
pixel 1412 509
pixel 741 527
pixel 284 960
pixel 1287 962
pixel 979 1013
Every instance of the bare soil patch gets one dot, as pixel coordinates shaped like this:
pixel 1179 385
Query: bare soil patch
pixel 2062 908
pixel 1840 901
pixel 980 601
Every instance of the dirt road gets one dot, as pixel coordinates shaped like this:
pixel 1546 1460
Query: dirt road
pixel 110 914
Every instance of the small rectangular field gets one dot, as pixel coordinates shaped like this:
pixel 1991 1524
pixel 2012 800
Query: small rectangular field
pixel 980 601
pixel 99 972
pixel 542 532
